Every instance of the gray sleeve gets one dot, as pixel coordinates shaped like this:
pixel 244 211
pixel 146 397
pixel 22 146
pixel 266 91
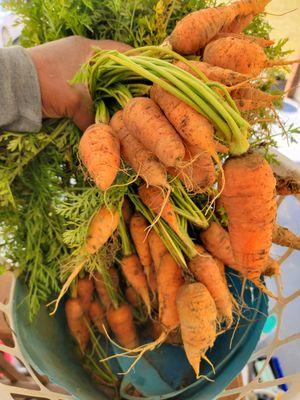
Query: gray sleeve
pixel 20 97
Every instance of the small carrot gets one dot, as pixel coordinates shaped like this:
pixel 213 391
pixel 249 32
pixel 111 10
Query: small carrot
pixel 284 237
pixel 97 315
pixel 154 199
pixel 137 156
pixel 121 323
pixel 132 297
pixel 77 323
pixel 138 231
pixel 206 270
pixel 102 288
pixel 286 185
pixel 133 272
pixel 102 226
pixel 146 122
pixel 127 210
pixel 85 288
pixel 248 98
pixel 169 280
pixel 100 152
pixel 198 322
pixel 216 241
pixel 157 248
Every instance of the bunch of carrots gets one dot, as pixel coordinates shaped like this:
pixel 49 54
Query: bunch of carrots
pixel 178 130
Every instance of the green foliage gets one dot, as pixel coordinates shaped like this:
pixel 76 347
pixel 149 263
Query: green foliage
pixel 46 202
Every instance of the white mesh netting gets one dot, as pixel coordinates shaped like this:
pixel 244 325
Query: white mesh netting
pixel 283 342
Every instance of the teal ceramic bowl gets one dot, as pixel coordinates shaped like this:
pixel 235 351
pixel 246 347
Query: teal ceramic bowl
pixel 162 374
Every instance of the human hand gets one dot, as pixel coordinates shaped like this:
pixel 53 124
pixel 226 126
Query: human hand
pixel 57 63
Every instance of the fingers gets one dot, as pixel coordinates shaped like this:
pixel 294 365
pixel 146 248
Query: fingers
pixel 83 116
pixel 111 45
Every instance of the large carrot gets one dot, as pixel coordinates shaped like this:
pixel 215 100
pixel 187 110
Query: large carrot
pixel 85 288
pixel 249 200
pixel 100 152
pixel 169 280
pixel 206 270
pixel 77 323
pixel 138 231
pixel 195 30
pixel 154 199
pixel 97 315
pixel 121 323
pixel 133 272
pixel 102 226
pixel 146 122
pixel 137 156
pixel 198 322
pixel 240 55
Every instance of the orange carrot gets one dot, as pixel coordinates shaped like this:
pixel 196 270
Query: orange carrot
pixel 154 199
pixel 137 156
pixel 216 241
pixel 169 280
pixel 286 185
pixel 102 226
pixel 100 152
pixel 252 39
pixel 249 200
pixel 138 231
pixel 132 297
pixel 249 98
pixel 206 270
pixel 77 323
pixel 101 286
pixel 214 73
pixel 133 272
pixel 198 317
pixel 97 315
pixel 284 237
pixel 126 210
pixel 121 323
pixel 240 55
pixel 157 248
pixel 195 30
pixel 85 288
pixel 146 122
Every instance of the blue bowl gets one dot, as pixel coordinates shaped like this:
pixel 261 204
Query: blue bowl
pixel 161 374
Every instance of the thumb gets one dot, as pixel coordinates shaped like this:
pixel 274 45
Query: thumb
pixel 84 116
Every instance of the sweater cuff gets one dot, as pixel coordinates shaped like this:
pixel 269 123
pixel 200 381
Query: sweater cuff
pixel 20 96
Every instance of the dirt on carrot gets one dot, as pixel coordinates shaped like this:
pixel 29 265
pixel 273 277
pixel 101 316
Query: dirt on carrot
pixel 198 322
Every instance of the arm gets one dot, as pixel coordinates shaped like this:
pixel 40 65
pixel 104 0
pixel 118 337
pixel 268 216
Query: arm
pixel 34 83
pixel 20 98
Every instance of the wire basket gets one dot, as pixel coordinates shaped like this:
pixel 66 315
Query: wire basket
pixel 283 341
